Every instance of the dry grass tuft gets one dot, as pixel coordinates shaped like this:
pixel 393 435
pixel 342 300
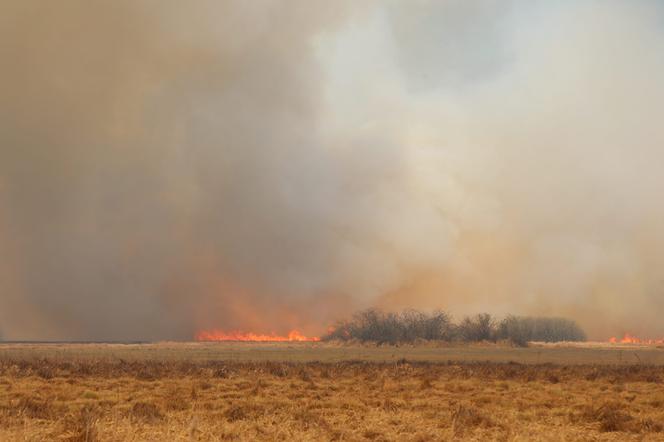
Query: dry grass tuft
pixel 240 412
pixel 146 412
pixel 82 427
pixel 466 418
pixel 613 416
pixel 34 408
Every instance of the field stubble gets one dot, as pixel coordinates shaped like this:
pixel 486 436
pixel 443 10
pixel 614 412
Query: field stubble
pixel 99 395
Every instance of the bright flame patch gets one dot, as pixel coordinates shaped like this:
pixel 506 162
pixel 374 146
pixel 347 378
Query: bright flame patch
pixel 219 335
pixel 629 339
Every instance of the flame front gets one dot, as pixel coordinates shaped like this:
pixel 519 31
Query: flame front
pixel 219 335
pixel 630 339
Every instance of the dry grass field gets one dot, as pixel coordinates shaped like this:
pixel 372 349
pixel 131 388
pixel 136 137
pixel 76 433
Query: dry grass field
pixel 209 392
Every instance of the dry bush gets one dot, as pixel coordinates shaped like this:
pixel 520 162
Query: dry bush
pixel 553 378
pixel 465 418
pixel 309 419
pixel 372 434
pixel 390 406
pixel 33 408
pixel 175 400
pixel 408 326
pixel 277 369
pixel 238 412
pixel 146 412
pixel 650 425
pixel 82 427
pixel 412 326
pixel 481 327
pixel 426 384
pixel 304 375
pixel 221 372
pixel 614 416
pixel 46 371
pixel 522 329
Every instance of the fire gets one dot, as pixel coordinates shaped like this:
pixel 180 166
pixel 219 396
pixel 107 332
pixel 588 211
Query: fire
pixel 630 339
pixel 219 335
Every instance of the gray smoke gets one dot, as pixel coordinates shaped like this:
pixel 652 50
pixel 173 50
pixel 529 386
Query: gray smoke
pixel 266 165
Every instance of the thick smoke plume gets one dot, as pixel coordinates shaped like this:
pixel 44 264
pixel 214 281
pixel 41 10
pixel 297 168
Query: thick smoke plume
pixel 169 166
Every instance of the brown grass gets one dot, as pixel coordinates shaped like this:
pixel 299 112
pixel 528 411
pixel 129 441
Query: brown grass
pixel 98 399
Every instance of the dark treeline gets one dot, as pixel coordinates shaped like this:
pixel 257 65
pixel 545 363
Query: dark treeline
pixel 411 325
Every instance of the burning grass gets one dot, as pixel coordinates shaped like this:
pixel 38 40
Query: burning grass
pixel 220 335
pixel 160 399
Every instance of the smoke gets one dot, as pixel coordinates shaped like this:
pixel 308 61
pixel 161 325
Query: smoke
pixel 266 165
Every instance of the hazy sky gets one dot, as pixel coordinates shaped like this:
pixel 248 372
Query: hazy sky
pixel 168 166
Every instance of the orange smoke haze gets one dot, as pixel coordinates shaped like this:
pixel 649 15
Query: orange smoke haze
pixel 219 335
pixel 629 339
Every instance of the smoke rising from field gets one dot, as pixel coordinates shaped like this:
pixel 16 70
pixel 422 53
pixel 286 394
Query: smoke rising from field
pixel 169 166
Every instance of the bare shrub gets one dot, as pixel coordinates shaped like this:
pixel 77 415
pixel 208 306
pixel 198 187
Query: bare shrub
pixel 481 327
pixel 521 329
pixel 391 328
pixel 410 326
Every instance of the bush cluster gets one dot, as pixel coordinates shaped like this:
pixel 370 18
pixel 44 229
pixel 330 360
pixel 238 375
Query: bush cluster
pixel 410 325
pixel 521 329
pixel 407 326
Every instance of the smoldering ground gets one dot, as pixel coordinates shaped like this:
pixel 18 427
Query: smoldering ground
pixel 166 167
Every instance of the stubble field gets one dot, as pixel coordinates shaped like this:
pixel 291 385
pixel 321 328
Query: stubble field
pixel 165 392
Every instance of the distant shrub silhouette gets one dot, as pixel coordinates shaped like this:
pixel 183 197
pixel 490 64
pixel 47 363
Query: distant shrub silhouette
pixel 481 327
pixel 521 329
pixel 374 325
pixel 407 326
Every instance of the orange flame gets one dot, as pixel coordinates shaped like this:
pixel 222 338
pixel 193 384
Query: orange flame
pixel 630 339
pixel 219 335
